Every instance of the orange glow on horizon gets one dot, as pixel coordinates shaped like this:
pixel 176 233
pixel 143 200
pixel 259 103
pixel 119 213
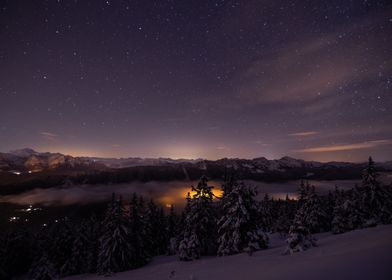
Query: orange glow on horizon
pixel 176 196
pixel 216 192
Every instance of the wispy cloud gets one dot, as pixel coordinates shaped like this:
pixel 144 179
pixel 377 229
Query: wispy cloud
pixel 311 71
pixel 309 74
pixel 259 142
pixel 305 133
pixel 221 148
pixel 346 147
pixel 49 135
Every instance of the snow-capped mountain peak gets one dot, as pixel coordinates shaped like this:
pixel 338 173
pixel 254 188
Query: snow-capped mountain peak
pixel 25 152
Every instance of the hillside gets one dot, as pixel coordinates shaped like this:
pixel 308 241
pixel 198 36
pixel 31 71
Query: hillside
pixel 360 254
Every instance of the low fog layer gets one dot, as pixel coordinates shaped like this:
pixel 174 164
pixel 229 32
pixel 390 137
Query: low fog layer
pixel 166 193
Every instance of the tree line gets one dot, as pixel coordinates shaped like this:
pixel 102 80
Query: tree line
pixel 131 232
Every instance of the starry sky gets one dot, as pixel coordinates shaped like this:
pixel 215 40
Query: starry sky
pixel 197 79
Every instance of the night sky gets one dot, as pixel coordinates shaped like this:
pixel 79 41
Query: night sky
pixel 197 79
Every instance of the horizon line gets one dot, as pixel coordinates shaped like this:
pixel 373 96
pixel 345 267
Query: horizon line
pixel 184 158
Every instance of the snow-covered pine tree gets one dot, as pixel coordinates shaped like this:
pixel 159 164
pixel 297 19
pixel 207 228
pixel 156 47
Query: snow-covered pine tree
pixel 328 203
pixel 374 197
pixel 315 218
pixel 308 220
pixel 115 253
pixel 292 206
pixel 304 190
pixel 300 238
pixel 172 231
pixel 41 257
pixel 93 228
pixel 138 232
pixel 189 248
pixel 341 219
pixel 237 228
pixel 203 214
pixel 78 259
pixel 16 253
pixel 60 250
pixel 43 269
pixel 354 208
pixel 85 246
pixel 265 213
pixel 285 216
pixel 199 236
pixel 184 214
pixel 229 182
pixel 156 229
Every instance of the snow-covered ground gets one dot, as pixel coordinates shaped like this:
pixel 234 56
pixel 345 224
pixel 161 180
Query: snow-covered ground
pixel 361 254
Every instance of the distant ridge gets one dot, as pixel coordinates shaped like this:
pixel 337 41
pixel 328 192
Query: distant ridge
pixel 27 159
pixel 18 158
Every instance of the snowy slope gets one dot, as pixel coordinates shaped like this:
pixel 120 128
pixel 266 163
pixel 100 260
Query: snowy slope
pixel 360 254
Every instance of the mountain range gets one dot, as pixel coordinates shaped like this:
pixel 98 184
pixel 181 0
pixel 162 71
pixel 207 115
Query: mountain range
pixel 20 169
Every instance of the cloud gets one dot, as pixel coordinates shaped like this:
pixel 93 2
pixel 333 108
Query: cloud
pixel 307 74
pixel 48 135
pixel 346 147
pixel 305 133
pixel 221 148
pixel 262 143
pixel 285 78
pixel 313 71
